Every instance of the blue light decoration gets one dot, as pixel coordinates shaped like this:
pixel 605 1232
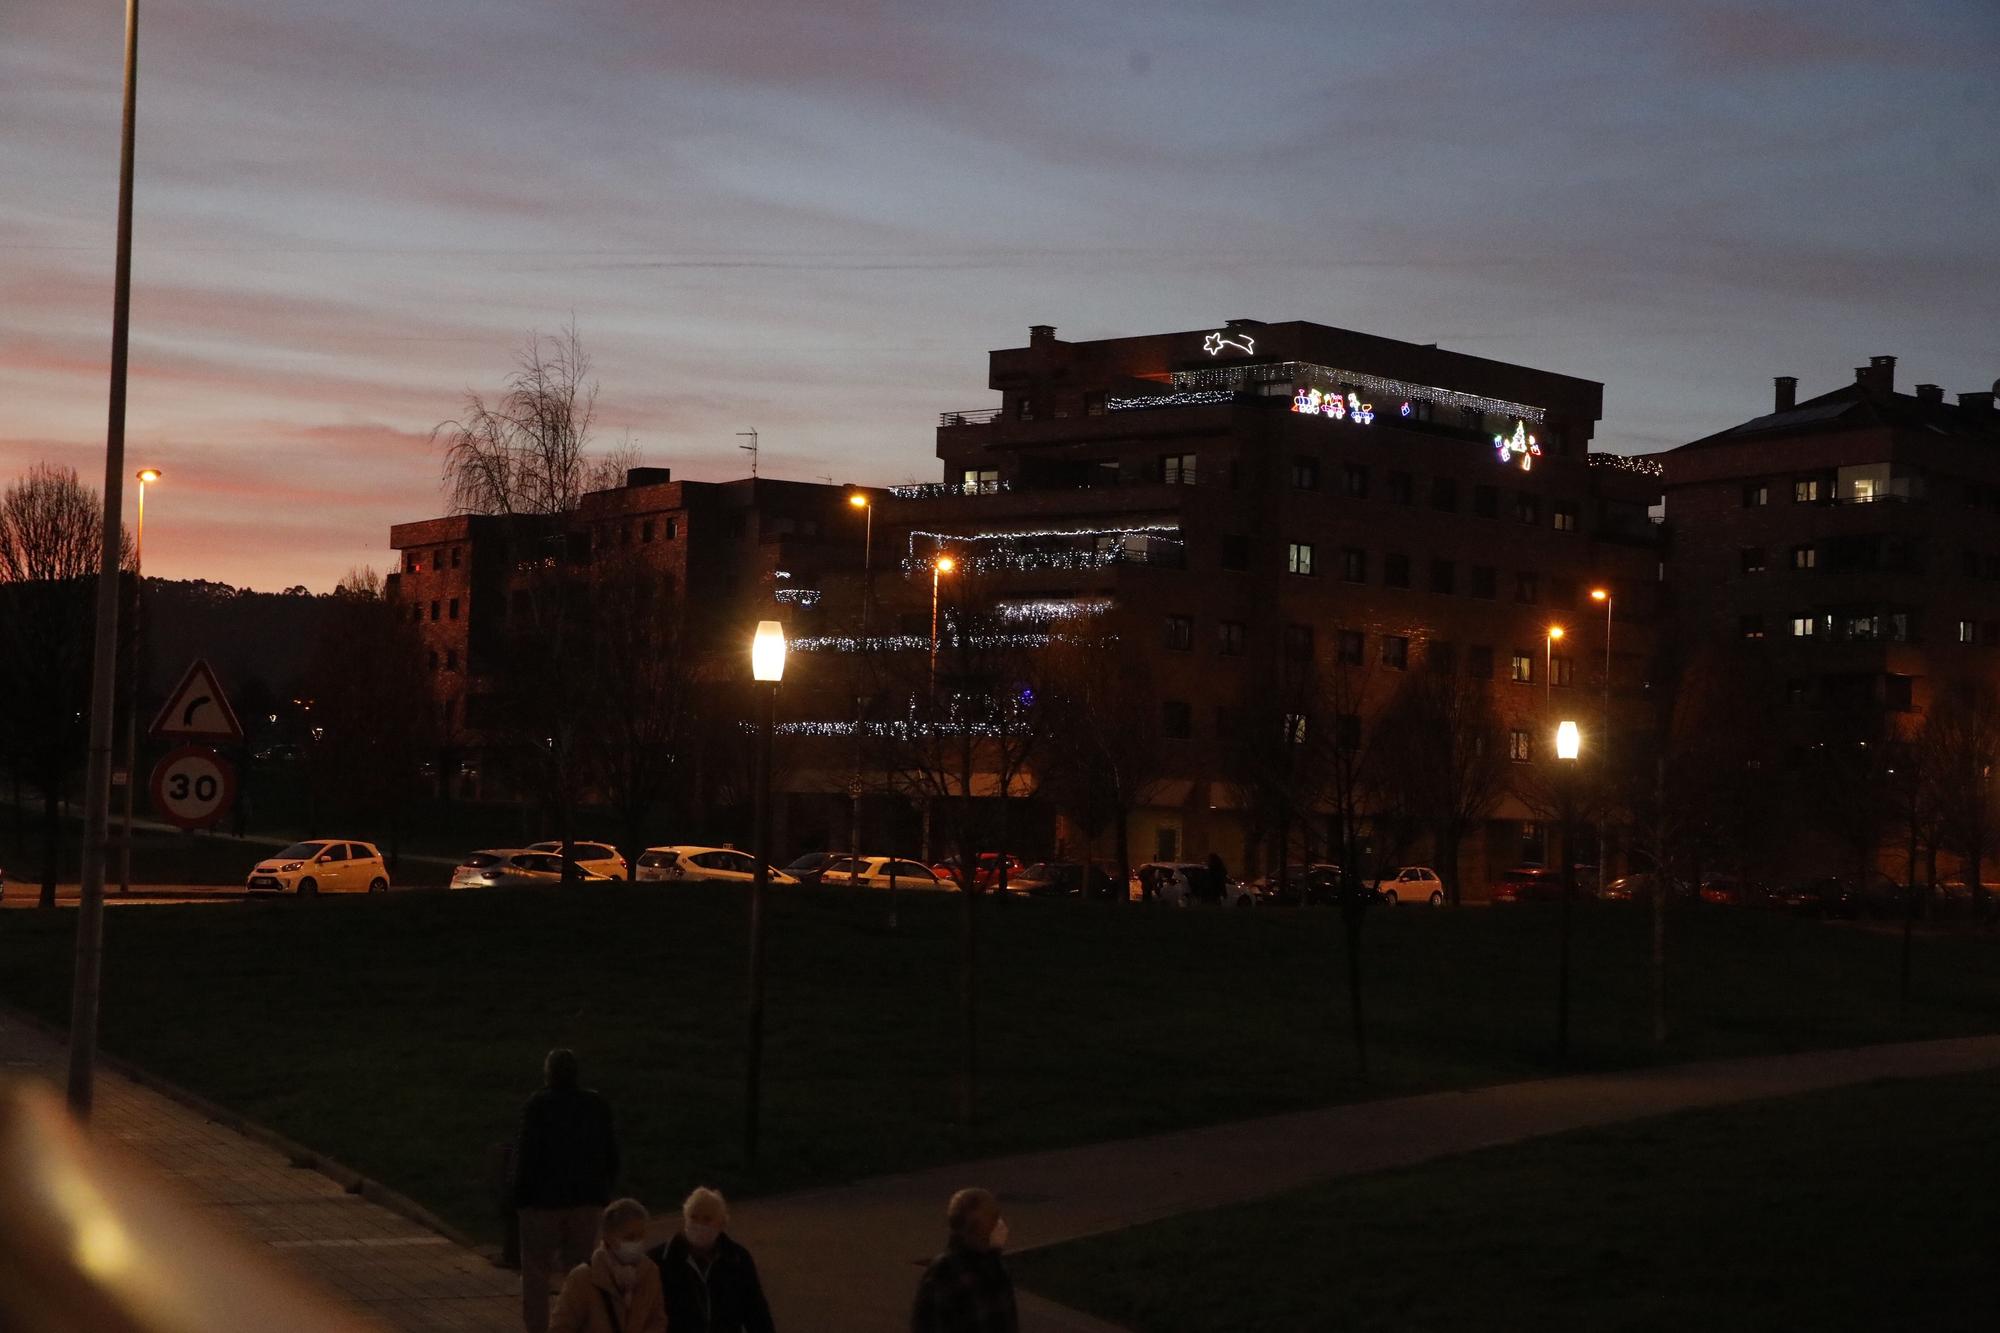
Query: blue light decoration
pixel 1521 443
pixel 1311 402
pixel 1406 408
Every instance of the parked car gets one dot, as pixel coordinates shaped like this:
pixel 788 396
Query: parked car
pixel 873 872
pixel 1733 891
pixel 599 856
pixel 1530 884
pixel 808 868
pixel 1411 884
pixel 522 867
pixel 1049 879
pixel 1315 885
pixel 985 869
pixel 703 865
pixel 323 865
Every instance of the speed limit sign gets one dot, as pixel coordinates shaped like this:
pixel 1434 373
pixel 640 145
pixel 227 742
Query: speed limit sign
pixel 193 786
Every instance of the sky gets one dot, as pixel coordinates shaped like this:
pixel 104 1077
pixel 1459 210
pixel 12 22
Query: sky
pixel 814 219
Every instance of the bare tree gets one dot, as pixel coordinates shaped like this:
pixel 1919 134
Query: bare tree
pixel 51 527
pixel 526 452
pixel 1444 763
pixel 1964 719
pixel 1100 725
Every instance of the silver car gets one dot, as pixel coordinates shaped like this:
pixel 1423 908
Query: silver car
pixel 519 867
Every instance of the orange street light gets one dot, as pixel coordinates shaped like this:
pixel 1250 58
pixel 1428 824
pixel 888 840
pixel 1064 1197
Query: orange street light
pixel 1549 664
pixel 858 500
pixel 943 565
pixel 1599 595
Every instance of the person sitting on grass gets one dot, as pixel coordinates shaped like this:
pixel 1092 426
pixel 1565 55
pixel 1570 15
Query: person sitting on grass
pixel 617 1291
pixel 710 1281
pixel 967 1288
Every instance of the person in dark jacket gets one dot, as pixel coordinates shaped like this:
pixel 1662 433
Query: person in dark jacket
pixel 1218 878
pixel 710 1281
pixel 565 1165
pixel 967 1289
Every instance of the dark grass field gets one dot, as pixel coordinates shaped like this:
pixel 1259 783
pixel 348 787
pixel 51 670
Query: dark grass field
pixel 400 1034
pixel 1867 1208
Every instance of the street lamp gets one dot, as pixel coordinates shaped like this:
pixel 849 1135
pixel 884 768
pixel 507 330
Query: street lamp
pixel 1569 745
pixel 1549 665
pixel 146 476
pixel 860 500
pixel 1604 736
pixel 941 566
pixel 767 667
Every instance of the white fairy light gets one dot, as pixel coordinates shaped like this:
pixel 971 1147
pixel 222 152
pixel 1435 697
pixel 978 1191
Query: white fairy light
pixel 1238 377
pixel 1191 398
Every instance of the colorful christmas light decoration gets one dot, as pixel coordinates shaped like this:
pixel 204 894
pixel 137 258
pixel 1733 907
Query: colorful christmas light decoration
pixel 1242 377
pixel 1406 408
pixel 1521 443
pixel 1311 402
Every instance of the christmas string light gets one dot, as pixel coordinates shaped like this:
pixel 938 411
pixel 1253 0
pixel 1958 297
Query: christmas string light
pixel 1637 465
pixel 1044 610
pixel 797 596
pixel 909 643
pixel 1240 377
pixel 1311 402
pixel 1191 398
pixel 939 490
pixel 1241 342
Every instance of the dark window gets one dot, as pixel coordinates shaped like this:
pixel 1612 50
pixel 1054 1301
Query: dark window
pixel 1444 576
pixel 1395 570
pixel 1528 588
pixel 1235 551
pixel 1176 719
pixel 1299 558
pixel 1347 731
pixel 413 564
pixel 1229 638
pixel 648 530
pixel 1528 507
pixel 1750 627
pixel 1444 494
pixel 1179 634
pixel 456 553
pixel 1395 652
pixel 451 659
pixel 1177 469
pixel 673 528
pixel 1562 671
pixel 1485 581
pixel 1305 474
pixel 1755 494
pixel 1564 516
pixel 1356 480
pixel 1479 661
pixel 452 609
pixel 434 608
pixel 1402 488
pixel 1350 643
pixel 433 659
pixel 1354 564
pixel 1441 657
pixel 1093 404
pixel 1486 501
pixel 1299 642
pixel 1753 559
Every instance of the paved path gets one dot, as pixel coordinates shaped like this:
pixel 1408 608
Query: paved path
pixel 845 1260
pixel 404 1275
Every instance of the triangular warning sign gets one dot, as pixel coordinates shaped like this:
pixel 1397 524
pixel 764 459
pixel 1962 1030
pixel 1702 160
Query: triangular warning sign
pixel 197 710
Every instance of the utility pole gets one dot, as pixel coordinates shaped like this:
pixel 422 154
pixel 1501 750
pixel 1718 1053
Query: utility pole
pixel 750 448
pixel 104 663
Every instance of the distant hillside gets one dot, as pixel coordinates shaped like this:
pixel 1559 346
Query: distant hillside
pixel 258 642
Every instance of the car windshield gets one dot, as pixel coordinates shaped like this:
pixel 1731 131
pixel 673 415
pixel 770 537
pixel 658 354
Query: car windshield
pixel 300 851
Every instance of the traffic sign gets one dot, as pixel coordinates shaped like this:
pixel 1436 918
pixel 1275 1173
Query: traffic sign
pixel 197 710
pixel 193 786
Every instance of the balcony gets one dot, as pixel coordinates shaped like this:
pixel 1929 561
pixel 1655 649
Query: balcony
pixel 978 416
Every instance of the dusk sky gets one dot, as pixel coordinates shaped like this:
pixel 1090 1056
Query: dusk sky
pixel 816 218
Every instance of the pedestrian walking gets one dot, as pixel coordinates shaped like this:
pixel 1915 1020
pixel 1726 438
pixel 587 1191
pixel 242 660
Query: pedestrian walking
pixel 966 1289
pixel 710 1281
pixel 565 1165
pixel 1218 878
pixel 617 1291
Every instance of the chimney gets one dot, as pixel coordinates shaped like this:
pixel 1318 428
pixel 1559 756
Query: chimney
pixel 648 476
pixel 1930 393
pixel 1041 335
pixel 1976 404
pixel 1788 393
pixel 1242 323
pixel 1879 374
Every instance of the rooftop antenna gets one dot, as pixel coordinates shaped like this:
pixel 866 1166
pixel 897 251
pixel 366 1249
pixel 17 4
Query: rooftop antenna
pixel 750 448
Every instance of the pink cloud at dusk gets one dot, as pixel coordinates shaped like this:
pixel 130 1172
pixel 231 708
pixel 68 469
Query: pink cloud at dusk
pixel 816 219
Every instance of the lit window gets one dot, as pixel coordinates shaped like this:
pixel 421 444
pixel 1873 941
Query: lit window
pixel 1528 507
pixel 1299 558
pixel 1968 632
pixel 1562 671
pixel 1805 557
pixel 1753 559
pixel 979 480
pixel 1295 728
pixel 1750 627
pixel 1519 747
pixel 1805 491
pixel 1177 469
pixel 1802 626
pixel 1756 494
pixel 1565 517
pixel 1523 669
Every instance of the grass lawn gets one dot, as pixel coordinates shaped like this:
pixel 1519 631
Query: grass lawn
pixel 400 1034
pixel 1874 1207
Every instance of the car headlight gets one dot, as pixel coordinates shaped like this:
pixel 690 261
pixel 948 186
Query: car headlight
pixel 290 866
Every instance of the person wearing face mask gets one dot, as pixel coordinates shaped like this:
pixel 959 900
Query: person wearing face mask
pixel 710 1281
pixel 967 1288
pixel 618 1291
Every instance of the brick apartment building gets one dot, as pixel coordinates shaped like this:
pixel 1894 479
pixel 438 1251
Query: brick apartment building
pixel 1847 542
pixel 1224 497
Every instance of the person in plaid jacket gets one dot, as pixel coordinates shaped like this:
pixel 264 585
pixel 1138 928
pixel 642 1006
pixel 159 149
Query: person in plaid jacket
pixel 966 1289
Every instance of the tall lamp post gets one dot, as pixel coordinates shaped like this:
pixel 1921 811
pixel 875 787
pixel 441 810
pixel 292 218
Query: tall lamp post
pixel 146 476
pixel 1604 743
pixel 767 667
pixel 1569 744
pixel 940 566
pixel 860 500
pixel 103 672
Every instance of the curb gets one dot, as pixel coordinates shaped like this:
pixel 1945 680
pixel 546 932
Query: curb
pixel 297 1154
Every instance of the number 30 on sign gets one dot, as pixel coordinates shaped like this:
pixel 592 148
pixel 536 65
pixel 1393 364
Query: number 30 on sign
pixel 193 786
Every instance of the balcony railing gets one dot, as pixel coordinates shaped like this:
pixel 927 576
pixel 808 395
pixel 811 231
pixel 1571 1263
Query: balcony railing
pixel 978 416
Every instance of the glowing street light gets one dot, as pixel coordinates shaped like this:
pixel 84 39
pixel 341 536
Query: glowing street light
pixel 941 566
pixel 146 477
pixel 1549 664
pixel 767 667
pixel 1569 744
pixel 1569 740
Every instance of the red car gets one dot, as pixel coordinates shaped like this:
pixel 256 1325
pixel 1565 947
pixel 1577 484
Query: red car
pixel 1531 884
pixel 986 870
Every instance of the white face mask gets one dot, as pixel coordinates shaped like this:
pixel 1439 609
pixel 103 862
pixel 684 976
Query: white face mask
pixel 997 1238
pixel 629 1251
pixel 700 1234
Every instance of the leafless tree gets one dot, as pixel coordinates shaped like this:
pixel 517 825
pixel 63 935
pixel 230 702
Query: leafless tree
pixel 1100 726
pixel 51 526
pixel 1443 762
pixel 526 452
pixel 1964 721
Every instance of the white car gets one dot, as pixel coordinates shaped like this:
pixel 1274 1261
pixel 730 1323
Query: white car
pixel 599 856
pixel 323 865
pixel 1412 884
pixel 520 867
pixel 872 872
pixel 1182 883
pixel 704 865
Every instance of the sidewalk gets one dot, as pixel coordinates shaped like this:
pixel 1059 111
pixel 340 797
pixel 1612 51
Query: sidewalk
pixel 407 1277
pixel 851 1255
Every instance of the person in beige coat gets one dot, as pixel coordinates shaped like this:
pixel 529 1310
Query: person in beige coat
pixel 618 1291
